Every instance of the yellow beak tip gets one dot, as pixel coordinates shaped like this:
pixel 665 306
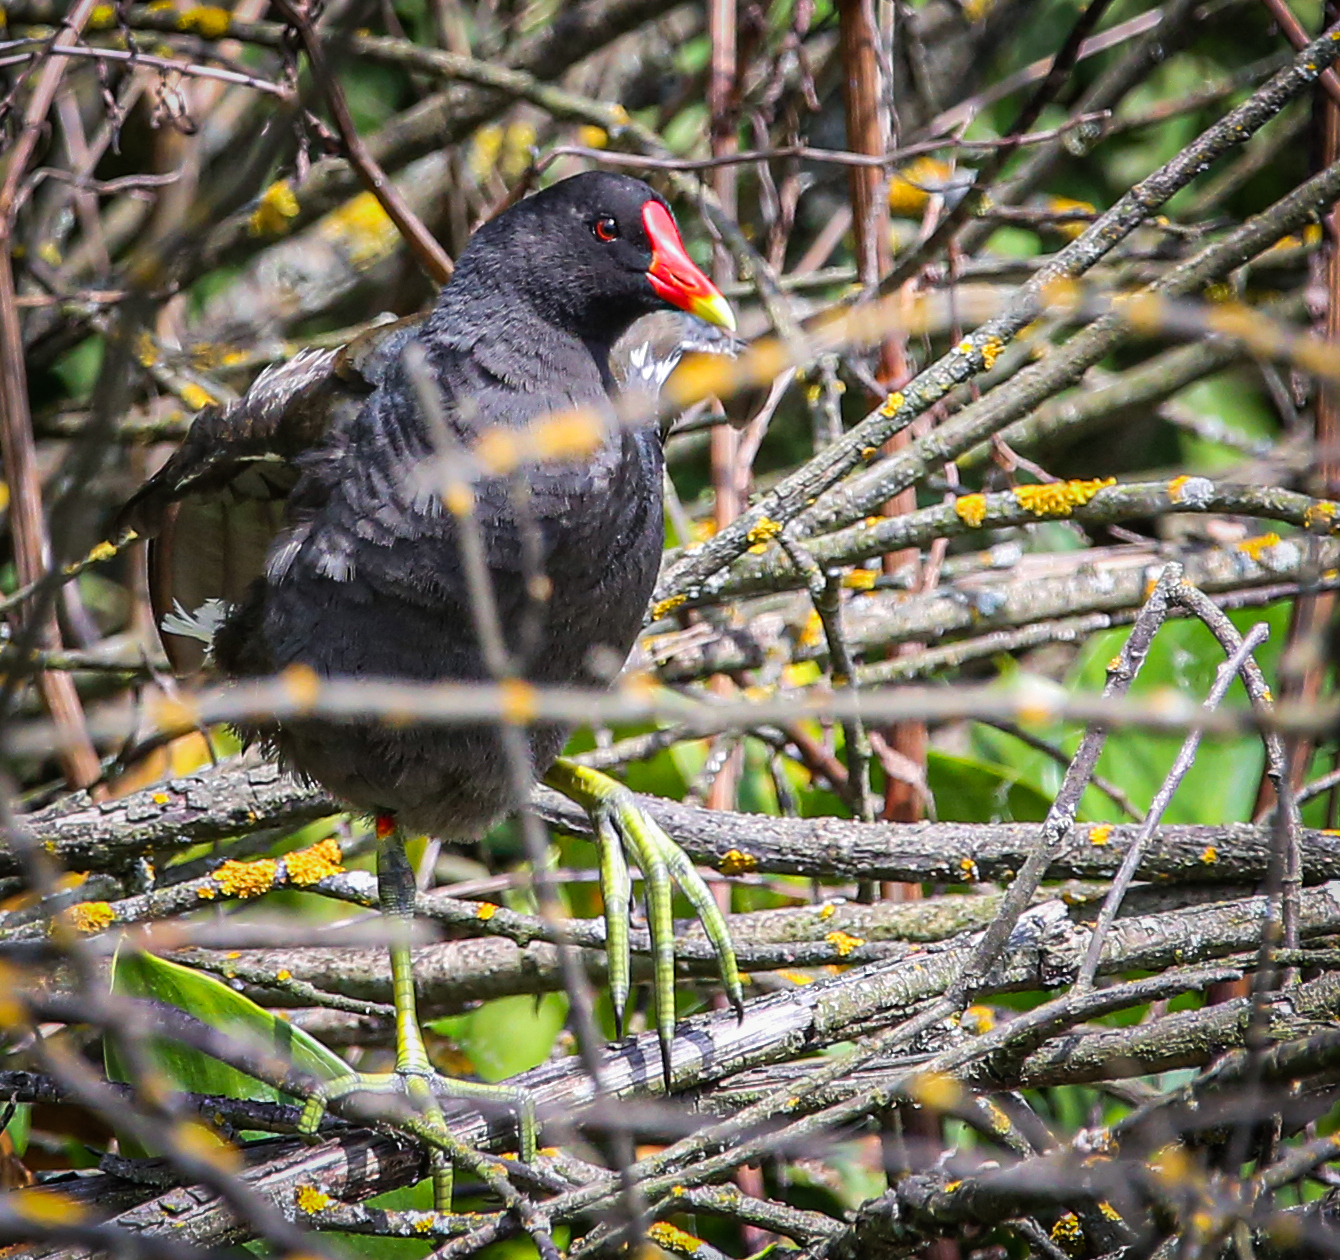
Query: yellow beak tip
pixel 715 310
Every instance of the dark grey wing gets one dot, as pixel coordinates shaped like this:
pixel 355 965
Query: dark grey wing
pixel 212 511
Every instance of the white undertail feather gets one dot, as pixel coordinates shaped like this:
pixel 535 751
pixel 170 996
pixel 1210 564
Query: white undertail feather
pixel 203 623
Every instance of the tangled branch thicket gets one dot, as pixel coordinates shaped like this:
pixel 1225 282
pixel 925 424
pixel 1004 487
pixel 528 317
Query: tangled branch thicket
pixel 988 676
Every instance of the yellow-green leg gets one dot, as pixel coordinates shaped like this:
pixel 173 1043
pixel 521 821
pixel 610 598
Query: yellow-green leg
pixel 622 827
pixel 414 1074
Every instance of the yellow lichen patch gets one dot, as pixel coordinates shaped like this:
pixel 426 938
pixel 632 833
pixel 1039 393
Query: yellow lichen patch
pixel 569 435
pixel 146 349
pixel 1059 498
pixel 206 20
pixel 1175 487
pixel 935 1090
pixel 89 917
pixel 246 879
pixel 844 943
pixel 1068 1234
pixel 519 703
pixel 103 551
pixel 667 606
pixel 762 532
pixel 485 911
pixel 309 1199
pixel 1068 205
pixel 891 406
pixel 362 229
pixel 737 862
pixel 672 1238
pixel 1210 855
pixel 283 974
pixel 828 911
pixel 968 868
pixel 1100 834
pixel 795 977
pixel 860 580
pixel 979 1019
pixel 195 396
pixel 1320 516
pixel 45 1207
pixel 971 509
pixel 277 205
pixel 201 1142
pixel 314 863
pixel 991 349
pixel 206 892
pixel 1108 1210
pixel 1255 547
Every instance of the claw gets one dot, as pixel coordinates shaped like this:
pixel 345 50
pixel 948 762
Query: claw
pixel 621 826
pixel 616 889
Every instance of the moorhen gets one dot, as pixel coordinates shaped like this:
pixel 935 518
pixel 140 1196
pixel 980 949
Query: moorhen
pixel 311 525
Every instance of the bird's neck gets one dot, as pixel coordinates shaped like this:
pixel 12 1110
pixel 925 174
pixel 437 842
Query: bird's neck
pixel 509 336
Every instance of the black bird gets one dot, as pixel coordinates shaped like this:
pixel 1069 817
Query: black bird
pixel 320 521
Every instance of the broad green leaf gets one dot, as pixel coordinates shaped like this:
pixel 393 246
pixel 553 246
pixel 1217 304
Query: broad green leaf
pixel 968 790
pixel 507 1035
pixel 212 1002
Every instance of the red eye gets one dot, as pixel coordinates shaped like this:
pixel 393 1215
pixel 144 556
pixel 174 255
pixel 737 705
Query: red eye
pixel 606 229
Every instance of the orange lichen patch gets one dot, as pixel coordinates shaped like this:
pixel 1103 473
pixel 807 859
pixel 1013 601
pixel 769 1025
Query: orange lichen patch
pixel 1253 548
pixel 971 509
pixel 519 703
pixel 283 974
pixel 1108 1210
pixel 1100 834
pixel 892 405
pixel 935 1090
pixel 795 977
pixel 1210 855
pixel 991 349
pixel 1320 516
pixel 828 911
pixel 277 205
pixel 1068 1234
pixel 89 917
pixel 246 879
pixel 206 20
pixel 1059 498
pixel 969 870
pixel 860 580
pixel 302 684
pixel 667 606
pixel 485 911
pixel 314 863
pixel 737 862
pixel 844 943
pixel 812 633
pixel 309 1199
pixel 206 892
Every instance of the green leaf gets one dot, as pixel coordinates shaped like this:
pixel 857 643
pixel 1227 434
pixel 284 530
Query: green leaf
pixel 212 1002
pixel 507 1035
pixel 968 790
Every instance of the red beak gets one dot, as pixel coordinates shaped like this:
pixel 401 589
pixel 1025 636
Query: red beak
pixel 675 276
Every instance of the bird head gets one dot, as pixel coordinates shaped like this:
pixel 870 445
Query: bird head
pixel 593 253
